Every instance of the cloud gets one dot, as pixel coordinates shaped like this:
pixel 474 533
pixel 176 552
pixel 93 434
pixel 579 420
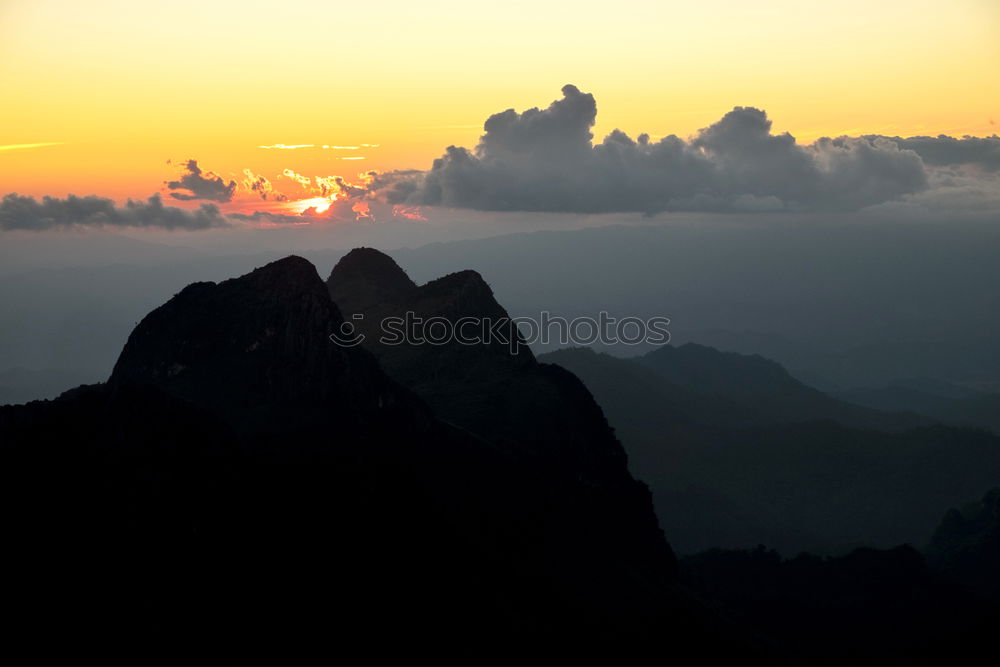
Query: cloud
pixel 19 212
pixel 287 147
pixel 942 150
pixel 303 181
pixel 954 193
pixel 327 186
pixel 256 183
pixel 331 186
pixel 17 147
pixel 201 185
pixel 546 160
pixel 270 218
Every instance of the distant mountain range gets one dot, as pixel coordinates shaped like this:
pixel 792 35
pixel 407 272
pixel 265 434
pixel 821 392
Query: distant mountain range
pixel 943 401
pixel 739 453
pixel 761 391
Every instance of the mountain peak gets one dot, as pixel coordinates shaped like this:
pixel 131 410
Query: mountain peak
pixel 466 279
pixel 463 293
pixel 254 345
pixel 371 263
pixel 291 270
pixel 366 276
pixel 492 387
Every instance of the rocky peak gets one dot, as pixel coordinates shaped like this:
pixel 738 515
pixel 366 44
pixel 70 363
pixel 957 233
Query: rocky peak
pixel 496 390
pixel 366 277
pixel 254 345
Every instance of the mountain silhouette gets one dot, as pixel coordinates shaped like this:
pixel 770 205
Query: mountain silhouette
pixel 496 389
pixel 763 388
pixel 241 475
pixel 946 402
pixel 256 351
pixel 867 607
pixel 966 545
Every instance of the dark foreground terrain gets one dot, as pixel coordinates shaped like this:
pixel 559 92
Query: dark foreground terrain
pixel 244 481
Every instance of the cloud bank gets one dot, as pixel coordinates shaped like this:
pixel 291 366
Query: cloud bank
pixel 198 184
pixel 26 213
pixel 546 160
pixel 982 152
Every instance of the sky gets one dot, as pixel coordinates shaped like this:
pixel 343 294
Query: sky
pixel 206 138
pixel 114 99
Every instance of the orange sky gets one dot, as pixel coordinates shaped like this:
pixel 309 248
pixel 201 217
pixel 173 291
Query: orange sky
pixel 121 87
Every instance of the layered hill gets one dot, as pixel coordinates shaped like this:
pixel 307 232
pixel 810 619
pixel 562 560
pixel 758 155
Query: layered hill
pixel 761 391
pixel 943 401
pixel 738 453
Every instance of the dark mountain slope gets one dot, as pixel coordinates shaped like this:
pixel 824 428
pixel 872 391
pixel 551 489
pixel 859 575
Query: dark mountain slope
pixel 495 389
pixel 966 545
pixel 256 350
pixel 242 478
pixel 868 607
pixel 725 473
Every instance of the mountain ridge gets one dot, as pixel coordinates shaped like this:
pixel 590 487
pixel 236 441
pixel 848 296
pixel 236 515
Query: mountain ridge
pixel 733 467
pixel 244 473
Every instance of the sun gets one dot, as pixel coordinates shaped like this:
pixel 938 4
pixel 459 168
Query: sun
pixel 320 204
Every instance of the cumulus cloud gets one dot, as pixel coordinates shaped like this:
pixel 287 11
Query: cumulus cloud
pixel 546 160
pixel 198 184
pixel 304 181
pixel 19 212
pixel 259 184
pixel 335 186
pixel 942 150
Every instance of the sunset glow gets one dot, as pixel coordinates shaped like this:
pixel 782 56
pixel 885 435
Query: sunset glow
pixel 612 332
pixel 408 212
pixel 320 204
pixel 186 89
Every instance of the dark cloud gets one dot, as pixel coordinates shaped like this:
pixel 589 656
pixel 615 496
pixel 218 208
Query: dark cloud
pixel 269 218
pixel 200 184
pixel 545 160
pixel 942 150
pixel 18 212
pixel 954 192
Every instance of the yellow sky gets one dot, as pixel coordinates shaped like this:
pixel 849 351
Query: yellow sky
pixel 120 87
